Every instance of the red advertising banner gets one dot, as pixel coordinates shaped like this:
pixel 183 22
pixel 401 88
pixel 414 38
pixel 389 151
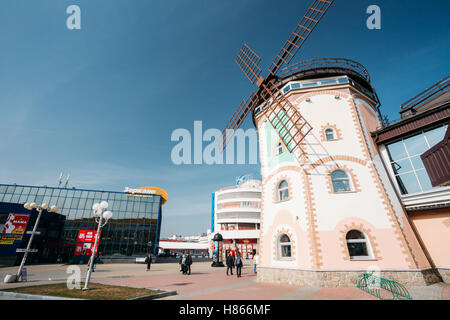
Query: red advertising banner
pixel 16 223
pixel 14 228
pixel 85 242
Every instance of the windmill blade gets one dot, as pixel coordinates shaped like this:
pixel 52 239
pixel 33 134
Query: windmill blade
pixel 248 61
pixel 290 125
pixel 238 118
pixel 304 28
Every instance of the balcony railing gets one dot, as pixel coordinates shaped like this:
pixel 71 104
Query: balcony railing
pixel 239 204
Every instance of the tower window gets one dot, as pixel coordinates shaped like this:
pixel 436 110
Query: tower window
pixel 284 246
pixel 340 181
pixel 283 191
pixel 279 148
pixel 329 134
pixel 357 244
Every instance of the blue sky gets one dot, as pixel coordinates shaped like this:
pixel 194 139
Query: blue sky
pixel 103 101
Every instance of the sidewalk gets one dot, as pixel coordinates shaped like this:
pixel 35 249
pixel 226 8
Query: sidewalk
pixel 206 283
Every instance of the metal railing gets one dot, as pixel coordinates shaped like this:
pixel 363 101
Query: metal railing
pixel 325 65
pixel 427 95
pixel 374 285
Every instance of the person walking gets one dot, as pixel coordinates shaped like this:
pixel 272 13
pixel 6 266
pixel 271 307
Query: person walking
pixel 148 261
pixel 188 263
pixel 183 263
pixel 238 262
pixel 230 263
pixel 255 262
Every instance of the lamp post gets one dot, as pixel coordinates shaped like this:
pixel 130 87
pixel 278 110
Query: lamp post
pixel 101 217
pixel 30 206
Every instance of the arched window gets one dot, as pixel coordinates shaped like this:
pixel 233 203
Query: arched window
pixel 279 148
pixel 357 244
pixel 284 246
pixel 283 191
pixel 329 134
pixel 340 180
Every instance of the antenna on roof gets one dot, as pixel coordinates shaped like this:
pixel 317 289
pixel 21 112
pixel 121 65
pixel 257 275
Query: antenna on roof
pixel 67 180
pixel 60 180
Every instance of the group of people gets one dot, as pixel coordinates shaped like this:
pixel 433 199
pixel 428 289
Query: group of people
pixel 234 261
pixel 185 263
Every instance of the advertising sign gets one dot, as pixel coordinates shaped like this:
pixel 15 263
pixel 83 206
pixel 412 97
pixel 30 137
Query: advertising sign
pixel 85 243
pixel 14 228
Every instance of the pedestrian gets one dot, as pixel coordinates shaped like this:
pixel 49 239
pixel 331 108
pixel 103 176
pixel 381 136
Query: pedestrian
pixel 189 263
pixel 230 263
pixel 148 261
pixel 238 262
pixel 183 263
pixel 255 262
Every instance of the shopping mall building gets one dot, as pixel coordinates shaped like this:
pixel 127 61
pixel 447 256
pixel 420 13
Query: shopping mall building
pixel 67 236
pixel 236 216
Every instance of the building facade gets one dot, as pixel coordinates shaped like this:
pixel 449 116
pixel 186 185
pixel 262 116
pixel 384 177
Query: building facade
pixel 328 209
pixel 416 153
pixel 236 216
pixel 132 231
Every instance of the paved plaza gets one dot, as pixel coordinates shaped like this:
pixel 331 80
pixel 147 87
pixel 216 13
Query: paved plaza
pixel 205 283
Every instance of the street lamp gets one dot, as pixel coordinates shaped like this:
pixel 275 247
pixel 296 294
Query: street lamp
pixel 101 217
pixel 30 206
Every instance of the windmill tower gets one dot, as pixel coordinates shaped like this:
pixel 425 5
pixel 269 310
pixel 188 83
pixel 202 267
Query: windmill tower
pixel 328 209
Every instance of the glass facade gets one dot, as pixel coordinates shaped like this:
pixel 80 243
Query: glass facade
pixel 135 224
pixel 405 159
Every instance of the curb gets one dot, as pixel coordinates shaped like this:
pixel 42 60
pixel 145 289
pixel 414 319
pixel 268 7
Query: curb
pixel 33 296
pixel 164 294
pixel 28 296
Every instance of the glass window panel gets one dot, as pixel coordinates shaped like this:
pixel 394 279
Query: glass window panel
pixel 410 182
pixel 89 203
pixel 34 191
pixel 425 182
pixel 84 194
pixel 402 166
pixel 156 207
pixel 60 202
pixel 75 202
pixel 63 193
pixel 41 191
pixel 285 251
pixel 70 193
pixel 296 86
pixel 26 190
pixel 7 197
pixel 123 205
pixel 436 135
pixel 98 195
pixel 416 145
pixel 31 198
pixel 22 199
pixel 3 189
pixel 11 189
pixel 39 199
pixel 397 151
pixel 130 206
pixel 104 195
pixel 15 198
pixel 82 203
pixel 77 194
pixel 91 194
pixel 46 199
pixel 18 190
pixel 417 163
pixel 48 192
pixel 56 192
pixel 358 249
pixel 68 202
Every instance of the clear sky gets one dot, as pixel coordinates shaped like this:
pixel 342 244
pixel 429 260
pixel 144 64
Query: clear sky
pixel 103 101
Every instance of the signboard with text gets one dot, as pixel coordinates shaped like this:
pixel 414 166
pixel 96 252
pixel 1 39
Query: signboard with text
pixel 14 228
pixel 85 242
